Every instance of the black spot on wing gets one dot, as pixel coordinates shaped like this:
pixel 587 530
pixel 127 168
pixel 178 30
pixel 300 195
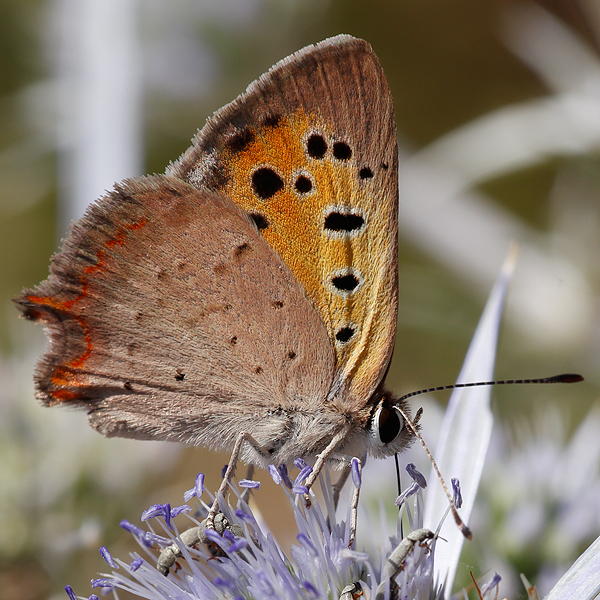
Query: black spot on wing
pixel 344 334
pixel 271 120
pixel 342 151
pixel 303 185
pixel 259 220
pixel 345 283
pixel 242 249
pixel 266 183
pixel 316 146
pixel 241 140
pixel 340 221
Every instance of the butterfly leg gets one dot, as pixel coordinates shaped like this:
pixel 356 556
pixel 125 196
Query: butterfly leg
pixel 354 511
pixel 322 459
pixel 339 484
pixel 244 436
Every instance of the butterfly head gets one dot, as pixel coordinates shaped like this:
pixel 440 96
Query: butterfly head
pixel 387 430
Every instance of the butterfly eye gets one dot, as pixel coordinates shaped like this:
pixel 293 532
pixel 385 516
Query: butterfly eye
pixel 389 424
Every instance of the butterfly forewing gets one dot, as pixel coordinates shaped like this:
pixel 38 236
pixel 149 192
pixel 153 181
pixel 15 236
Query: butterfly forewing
pixel 310 152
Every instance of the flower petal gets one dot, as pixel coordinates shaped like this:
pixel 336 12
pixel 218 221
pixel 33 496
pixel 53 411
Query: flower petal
pixel 466 431
pixel 581 581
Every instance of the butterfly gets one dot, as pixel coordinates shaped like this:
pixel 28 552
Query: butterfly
pixel 252 289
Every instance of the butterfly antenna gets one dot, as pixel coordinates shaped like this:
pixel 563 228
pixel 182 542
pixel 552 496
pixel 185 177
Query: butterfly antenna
pixel 564 378
pixel 463 528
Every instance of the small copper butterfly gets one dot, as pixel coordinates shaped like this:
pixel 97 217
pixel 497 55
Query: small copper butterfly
pixel 251 291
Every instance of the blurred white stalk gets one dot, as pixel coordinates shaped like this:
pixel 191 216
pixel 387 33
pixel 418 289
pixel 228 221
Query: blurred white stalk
pixel 99 75
pixel 551 300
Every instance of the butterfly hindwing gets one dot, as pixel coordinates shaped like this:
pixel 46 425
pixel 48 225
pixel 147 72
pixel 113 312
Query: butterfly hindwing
pixel 170 317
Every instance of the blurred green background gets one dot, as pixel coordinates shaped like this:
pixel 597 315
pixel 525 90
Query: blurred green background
pixel 498 110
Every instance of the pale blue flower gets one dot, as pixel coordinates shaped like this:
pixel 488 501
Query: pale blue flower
pixel 243 561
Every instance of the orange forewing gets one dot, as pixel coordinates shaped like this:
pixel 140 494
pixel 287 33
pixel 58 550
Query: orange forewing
pixel 317 256
pixel 258 151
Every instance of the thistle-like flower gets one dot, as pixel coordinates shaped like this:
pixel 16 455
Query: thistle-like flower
pixel 239 559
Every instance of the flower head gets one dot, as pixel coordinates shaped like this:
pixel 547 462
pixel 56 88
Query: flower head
pixel 239 559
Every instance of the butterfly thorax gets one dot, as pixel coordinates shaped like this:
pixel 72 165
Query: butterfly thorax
pixel 288 433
